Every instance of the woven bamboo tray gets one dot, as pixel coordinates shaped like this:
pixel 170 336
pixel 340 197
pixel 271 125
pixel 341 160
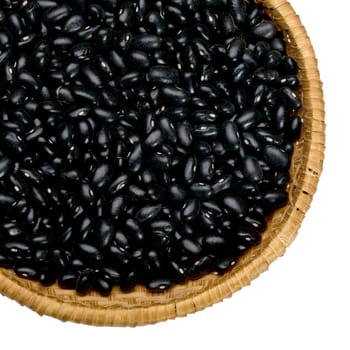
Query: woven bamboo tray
pixel 140 306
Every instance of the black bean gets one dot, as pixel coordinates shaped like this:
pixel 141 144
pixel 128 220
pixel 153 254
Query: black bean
pixel 139 58
pixel 89 252
pixel 206 131
pixel 295 126
pixel 17 250
pixel 236 49
pixel 252 169
pixel 175 96
pixel 96 13
pixel 190 246
pixel 46 277
pixel 289 65
pixel 231 135
pixel 134 229
pixel 276 157
pixel 154 139
pixel 73 24
pixel 264 30
pixel 117 207
pixel 190 210
pixel 184 133
pixel 135 159
pixel 105 114
pixel 179 112
pixel 248 119
pixel 26 272
pixel 239 10
pixel 274 199
pixel 92 76
pixel 12 143
pixel 155 22
pixel 147 42
pixel 159 284
pixel 148 212
pixel 201 190
pixel 67 280
pixel 102 175
pixel 235 205
pixel 162 75
pixel 5 165
pixel 161 161
pixel 291 98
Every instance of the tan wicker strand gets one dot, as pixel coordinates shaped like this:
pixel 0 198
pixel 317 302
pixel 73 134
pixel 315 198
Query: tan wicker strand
pixel 141 307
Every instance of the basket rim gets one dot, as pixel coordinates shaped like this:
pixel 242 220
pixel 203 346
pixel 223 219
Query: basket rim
pixel 129 315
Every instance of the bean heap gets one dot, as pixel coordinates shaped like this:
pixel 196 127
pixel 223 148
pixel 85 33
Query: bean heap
pixel 141 142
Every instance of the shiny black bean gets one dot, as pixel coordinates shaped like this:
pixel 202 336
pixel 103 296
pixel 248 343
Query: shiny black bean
pixel 264 30
pixel 162 75
pixel 96 13
pixel 177 113
pixel 190 246
pixel 87 32
pixel 147 42
pixel 276 157
pixel 190 210
pixel 154 139
pixel 68 280
pixel 252 169
pixel 239 10
pixel 12 143
pixel 291 98
pixel 148 212
pixel 184 133
pixel 266 75
pixel 294 127
pixel 239 97
pixel 135 159
pixel 173 14
pixel 57 13
pixel 175 95
pixel 92 76
pixel 105 115
pixel 133 227
pixel 155 22
pixel 168 129
pixel 102 175
pixel 289 65
pixel 201 191
pixel 190 169
pixel 206 131
pixel 26 272
pixel 231 135
pixel 161 161
pixel 274 199
pixel 240 72
pixel 236 50
pixel 139 58
pixel 235 205
pixel 117 207
pixel 248 119
pixel 17 250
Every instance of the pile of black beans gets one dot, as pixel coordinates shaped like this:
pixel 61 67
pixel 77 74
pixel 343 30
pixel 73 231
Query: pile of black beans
pixel 142 141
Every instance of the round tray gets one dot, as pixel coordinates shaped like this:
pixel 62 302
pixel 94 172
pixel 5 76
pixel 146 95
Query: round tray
pixel 141 307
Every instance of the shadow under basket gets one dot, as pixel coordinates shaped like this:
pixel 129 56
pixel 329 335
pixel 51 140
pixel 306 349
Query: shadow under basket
pixel 140 306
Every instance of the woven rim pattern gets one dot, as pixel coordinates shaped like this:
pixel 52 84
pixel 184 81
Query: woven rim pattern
pixel 142 307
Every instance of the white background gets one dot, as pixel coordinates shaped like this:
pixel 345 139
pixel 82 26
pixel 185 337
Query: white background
pixel 303 301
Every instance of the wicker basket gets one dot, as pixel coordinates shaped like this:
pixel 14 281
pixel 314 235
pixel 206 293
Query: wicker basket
pixel 140 306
